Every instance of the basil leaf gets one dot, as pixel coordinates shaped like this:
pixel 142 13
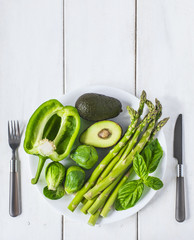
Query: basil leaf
pixel 54 195
pixel 139 166
pixel 154 183
pixel 152 154
pixel 129 194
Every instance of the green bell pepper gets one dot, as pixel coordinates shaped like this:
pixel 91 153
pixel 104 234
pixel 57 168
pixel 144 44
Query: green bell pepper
pixel 51 132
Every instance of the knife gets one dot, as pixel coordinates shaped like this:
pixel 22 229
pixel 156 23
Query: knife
pixel 180 195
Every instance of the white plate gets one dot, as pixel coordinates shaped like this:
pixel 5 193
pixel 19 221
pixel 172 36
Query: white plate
pixel 123 119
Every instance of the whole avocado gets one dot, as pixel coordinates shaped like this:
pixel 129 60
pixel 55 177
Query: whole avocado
pixel 97 107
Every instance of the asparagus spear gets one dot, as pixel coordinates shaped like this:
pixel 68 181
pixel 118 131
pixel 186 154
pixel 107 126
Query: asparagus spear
pixel 102 203
pixel 90 183
pixel 150 105
pixel 159 108
pixel 130 145
pixel 103 196
pixel 89 203
pixel 84 201
pixel 148 118
pixel 142 102
pixel 94 217
pixel 132 113
pixel 158 127
pixel 112 164
pixel 122 166
pixel 128 148
pixel 108 205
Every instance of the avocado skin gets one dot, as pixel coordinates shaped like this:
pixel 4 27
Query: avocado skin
pixel 97 107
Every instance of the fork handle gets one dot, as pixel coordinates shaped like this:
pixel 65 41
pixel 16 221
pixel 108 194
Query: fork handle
pixel 14 190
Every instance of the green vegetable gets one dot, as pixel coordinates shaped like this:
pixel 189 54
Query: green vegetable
pixel 129 194
pixel 85 156
pixel 124 154
pixel 75 178
pixel 110 202
pixel 152 155
pixel 99 169
pixel 97 107
pixel 103 196
pixel 102 134
pixel 140 167
pixel 94 217
pixel 54 195
pixel 51 132
pixel 54 175
pixel 153 182
pixel 89 203
pixel 109 176
pixel 121 166
pixel 150 105
pixel 137 193
pixel 158 127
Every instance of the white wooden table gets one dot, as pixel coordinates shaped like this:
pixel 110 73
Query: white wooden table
pixel 49 47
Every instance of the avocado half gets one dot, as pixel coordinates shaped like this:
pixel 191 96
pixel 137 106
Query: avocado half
pixel 102 134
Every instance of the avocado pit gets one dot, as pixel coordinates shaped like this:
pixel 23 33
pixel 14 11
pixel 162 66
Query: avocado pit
pixel 104 133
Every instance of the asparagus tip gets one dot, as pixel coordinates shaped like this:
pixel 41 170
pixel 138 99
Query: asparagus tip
pixel 143 94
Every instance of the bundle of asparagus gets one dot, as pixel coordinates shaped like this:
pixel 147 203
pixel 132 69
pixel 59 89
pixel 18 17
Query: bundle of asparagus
pixel 100 191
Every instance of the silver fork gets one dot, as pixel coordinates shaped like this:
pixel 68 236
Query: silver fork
pixel 14 138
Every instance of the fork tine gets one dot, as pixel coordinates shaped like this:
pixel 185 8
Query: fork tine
pixel 8 129
pixel 11 128
pixel 14 129
pixel 18 128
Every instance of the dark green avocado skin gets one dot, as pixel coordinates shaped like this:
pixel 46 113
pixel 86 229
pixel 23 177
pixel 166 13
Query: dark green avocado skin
pixel 97 107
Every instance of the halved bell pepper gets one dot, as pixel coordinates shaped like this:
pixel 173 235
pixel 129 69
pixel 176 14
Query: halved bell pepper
pixel 51 132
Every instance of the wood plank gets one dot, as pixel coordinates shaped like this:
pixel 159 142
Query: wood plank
pixel 165 71
pixel 100 43
pixel 31 71
pixel 99 38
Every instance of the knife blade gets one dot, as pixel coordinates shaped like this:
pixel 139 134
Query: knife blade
pixel 178 139
pixel 180 195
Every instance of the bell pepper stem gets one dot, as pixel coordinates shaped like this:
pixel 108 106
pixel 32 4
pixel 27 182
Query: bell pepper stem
pixel 41 163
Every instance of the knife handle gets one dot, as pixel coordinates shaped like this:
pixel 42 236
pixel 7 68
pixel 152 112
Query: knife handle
pixel 180 200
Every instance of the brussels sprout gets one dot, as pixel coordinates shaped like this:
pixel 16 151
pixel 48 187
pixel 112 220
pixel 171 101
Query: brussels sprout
pixel 85 156
pixel 75 178
pixel 54 175
pixel 54 195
